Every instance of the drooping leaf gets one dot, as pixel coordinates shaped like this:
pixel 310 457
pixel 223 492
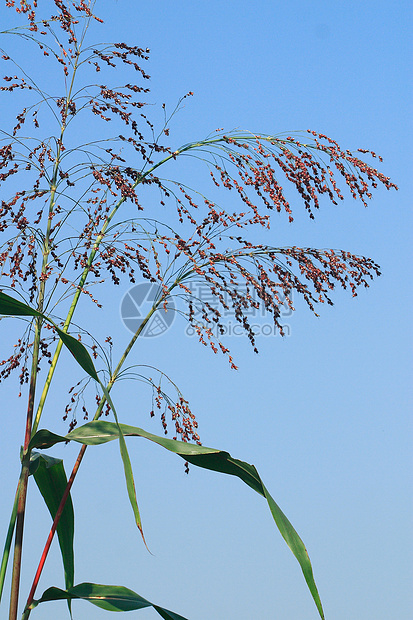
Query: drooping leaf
pixel 38 460
pixel 50 478
pixel 95 433
pixel 130 483
pixel 111 598
pixel 79 352
pixel 44 439
pixel 13 307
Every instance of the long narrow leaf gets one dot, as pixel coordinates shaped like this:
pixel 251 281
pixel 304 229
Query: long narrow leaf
pixel 51 480
pixel 95 433
pixel 78 350
pixel 130 483
pixel 10 306
pixel 111 598
pixel 13 307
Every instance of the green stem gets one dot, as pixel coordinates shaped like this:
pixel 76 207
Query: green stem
pixel 7 544
pixel 24 476
pixel 82 451
pixel 82 282
pixel 35 424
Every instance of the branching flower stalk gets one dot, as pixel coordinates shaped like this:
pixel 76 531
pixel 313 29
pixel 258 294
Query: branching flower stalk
pixel 198 242
pixel 78 293
pixel 32 428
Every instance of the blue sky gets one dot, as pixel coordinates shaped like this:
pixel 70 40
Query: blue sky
pixel 324 414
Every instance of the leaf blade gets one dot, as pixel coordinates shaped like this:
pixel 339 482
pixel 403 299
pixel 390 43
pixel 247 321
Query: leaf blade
pixel 110 598
pixel 127 466
pixel 98 432
pixel 10 306
pixel 13 307
pixel 50 478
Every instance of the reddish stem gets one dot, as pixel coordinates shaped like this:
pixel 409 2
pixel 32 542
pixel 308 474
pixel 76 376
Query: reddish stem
pixel 54 526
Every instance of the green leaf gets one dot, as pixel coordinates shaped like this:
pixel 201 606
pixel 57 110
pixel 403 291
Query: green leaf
pixel 38 460
pixel 12 307
pixel 78 350
pixel 44 439
pixel 130 483
pixel 111 598
pixel 95 433
pixel 50 478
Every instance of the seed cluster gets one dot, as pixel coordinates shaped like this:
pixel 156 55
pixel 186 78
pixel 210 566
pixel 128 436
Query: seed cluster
pixel 71 212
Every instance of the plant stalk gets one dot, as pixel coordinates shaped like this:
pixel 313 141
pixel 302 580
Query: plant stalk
pixel 24 476
pixel 82 451
pixel 7 544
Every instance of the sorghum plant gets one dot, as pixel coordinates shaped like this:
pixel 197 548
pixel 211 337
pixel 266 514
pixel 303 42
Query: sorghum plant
pixel 74 215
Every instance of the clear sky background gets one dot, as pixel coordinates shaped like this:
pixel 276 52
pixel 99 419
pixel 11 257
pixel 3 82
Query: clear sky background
pixel 324 414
